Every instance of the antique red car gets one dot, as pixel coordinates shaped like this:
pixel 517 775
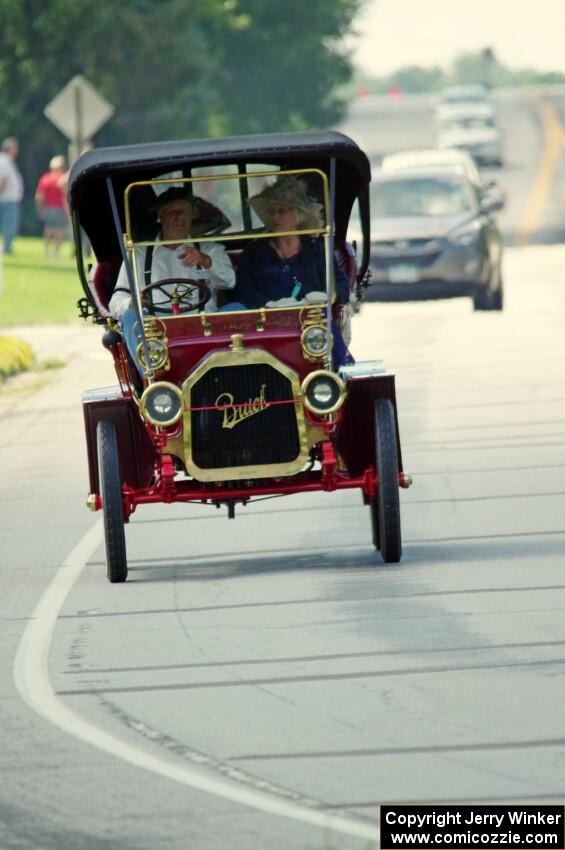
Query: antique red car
pixel 222 403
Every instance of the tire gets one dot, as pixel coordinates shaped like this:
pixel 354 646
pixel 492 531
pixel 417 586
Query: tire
pixel 374 509
pixel 482 299
pixel 498 297
pixel 112 505
pixel 489 298
pixel 385 507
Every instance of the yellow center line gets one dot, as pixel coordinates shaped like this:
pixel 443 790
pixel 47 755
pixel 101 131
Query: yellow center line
pixel 554 144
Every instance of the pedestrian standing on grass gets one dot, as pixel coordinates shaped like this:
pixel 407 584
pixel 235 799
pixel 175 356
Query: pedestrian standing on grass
pixel 11 193
pixel 50 205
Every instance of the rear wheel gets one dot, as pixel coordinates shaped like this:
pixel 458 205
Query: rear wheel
pixel 112 506
pixel 385 507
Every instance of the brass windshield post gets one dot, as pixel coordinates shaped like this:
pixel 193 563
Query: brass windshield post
pixel 330 263
pixel 135 298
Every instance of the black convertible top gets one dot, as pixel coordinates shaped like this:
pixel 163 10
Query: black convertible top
pixel 88 193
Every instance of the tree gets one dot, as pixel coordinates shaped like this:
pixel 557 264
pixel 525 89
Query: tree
pixel 415 79
pixel 282 68
pixel 172 69
pixel 478 67
pixel 467 68
pixel 149 60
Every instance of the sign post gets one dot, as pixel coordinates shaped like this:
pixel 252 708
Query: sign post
pixel 78 111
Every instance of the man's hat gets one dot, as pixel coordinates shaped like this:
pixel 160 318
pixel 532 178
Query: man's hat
pixel 172 194
pixel 207 219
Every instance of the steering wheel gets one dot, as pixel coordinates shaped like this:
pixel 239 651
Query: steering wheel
pixel 181 296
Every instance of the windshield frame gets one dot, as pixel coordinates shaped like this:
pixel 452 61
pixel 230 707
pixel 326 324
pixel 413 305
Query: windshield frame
pixel 242 178
pixel 129 245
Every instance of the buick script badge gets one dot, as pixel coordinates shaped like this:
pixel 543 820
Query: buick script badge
pixel 236 413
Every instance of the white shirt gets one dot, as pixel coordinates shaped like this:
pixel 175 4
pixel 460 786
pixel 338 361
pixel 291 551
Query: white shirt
pixel 167 264
pixel 13 189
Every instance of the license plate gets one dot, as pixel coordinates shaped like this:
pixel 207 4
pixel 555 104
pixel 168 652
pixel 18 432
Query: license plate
pixel 403 274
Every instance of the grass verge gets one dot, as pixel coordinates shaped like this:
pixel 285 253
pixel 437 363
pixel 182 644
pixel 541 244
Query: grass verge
pixel 36 290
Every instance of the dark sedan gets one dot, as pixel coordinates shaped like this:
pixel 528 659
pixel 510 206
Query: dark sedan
pixel 434 236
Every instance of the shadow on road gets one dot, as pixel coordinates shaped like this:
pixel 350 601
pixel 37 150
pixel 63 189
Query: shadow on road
pixel 252 563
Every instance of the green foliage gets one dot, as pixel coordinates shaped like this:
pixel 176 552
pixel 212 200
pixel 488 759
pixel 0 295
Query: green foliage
pixel 416 80
pixel 479 67
pixel 49 364
pixel 529 76
pixel 172 69
pixel 38 291
pixel 476 67
pixel 281 69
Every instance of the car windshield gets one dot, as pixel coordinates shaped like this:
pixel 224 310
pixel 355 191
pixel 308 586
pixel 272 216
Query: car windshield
pixel 459 96
pixel 451 160
pixel 221 205
pixel 227 203
pixel 469 123
pixel 421 197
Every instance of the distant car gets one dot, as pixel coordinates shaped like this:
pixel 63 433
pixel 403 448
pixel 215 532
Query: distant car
pixel 434 236
pixel 478 135
pixel 458 101
pixel 454 160
pixel 451 159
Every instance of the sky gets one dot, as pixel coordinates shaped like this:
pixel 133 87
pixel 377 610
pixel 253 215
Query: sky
pixel 522 33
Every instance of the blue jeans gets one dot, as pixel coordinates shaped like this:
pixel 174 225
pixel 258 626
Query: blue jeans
pixel 131 336
pixel 9 223
pixel 341 355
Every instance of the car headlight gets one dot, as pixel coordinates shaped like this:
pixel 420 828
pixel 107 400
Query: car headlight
pixel 158 354
pixel 323 392
pixel 161 404
pixel 315 341
pixel 463 237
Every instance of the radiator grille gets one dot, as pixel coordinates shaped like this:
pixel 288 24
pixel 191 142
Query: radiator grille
pixel 258 433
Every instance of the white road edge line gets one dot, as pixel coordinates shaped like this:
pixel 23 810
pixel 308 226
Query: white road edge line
pixel 31 674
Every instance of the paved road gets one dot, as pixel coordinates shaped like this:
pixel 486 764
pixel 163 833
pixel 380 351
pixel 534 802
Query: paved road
pixel 533 176
pixel 266 682
pixel 273 660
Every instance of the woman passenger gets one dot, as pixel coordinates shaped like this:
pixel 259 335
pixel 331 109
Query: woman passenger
pixel 284 269
pixel 286 266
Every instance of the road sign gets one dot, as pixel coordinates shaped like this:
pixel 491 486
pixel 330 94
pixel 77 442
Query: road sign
pixel 78 111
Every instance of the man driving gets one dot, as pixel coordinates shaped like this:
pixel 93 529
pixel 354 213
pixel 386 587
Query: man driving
pixel 181 260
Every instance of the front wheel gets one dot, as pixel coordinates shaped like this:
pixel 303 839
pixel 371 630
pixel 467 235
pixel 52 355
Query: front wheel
pixel 490 297
pixel 112 506
pixel 498 296
pixel 385 507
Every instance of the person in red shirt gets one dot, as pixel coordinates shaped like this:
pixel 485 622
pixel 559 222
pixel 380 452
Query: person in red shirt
pixel 50 205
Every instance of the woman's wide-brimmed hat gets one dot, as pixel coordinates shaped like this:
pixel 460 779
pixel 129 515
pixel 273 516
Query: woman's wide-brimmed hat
pixel 293 192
